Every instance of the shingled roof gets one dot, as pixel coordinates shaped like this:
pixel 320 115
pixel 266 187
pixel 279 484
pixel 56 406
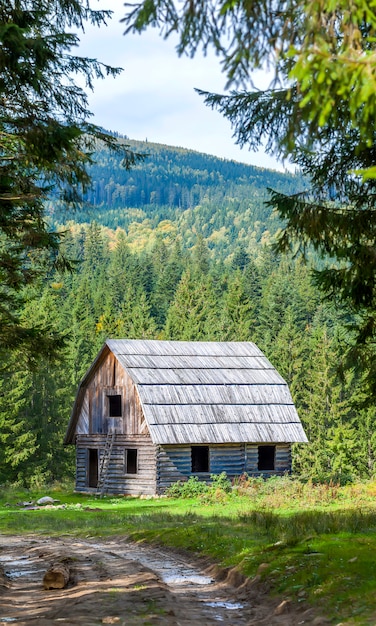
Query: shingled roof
pixel 207 392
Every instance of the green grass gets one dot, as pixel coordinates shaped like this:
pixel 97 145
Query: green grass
pixel 318 541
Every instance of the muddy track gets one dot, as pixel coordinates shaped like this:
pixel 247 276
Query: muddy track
pixel 118 582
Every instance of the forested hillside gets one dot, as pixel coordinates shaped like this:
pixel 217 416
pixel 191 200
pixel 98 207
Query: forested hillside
pixel 180 191
pixel 192 264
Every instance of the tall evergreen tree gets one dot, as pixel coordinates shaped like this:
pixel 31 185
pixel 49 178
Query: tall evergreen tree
pixel 136 321
pixel 241 258
pixel 168 278
pixel 95 249
pixel 288 350
pixel 200 257
pixel 238 312
pixel 120 273
pixel 18 440
pixel 45 141
pixel 194 314
pixel 35 402
pixel 322 400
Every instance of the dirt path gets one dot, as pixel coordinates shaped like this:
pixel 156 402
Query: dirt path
pixel 117 582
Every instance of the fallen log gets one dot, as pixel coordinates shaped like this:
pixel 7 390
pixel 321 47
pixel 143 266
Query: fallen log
pixel 56 577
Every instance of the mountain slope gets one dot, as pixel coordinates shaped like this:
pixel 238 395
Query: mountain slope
pixel 194 193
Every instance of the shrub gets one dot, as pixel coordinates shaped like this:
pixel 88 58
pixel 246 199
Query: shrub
pixel 190 488
pixel 220 481
pixel 217 491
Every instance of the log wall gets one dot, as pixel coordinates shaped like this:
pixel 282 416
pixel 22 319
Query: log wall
pixel 282 460
pixel 144 482
pixel 160 467
pixel 174 463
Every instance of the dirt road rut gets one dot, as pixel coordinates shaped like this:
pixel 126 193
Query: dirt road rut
pixel 118 582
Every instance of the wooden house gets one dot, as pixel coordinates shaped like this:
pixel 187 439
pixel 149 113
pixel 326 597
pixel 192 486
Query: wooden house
pixel 149 413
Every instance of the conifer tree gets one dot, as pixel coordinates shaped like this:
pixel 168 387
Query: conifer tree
pixel 46 140
pixel 240 259
pixel 168 278
pixel 18 441
pixel 35 402
pixel 193 314
pixel 200 256
pixel 121 270
pixel 238 312
pixel 136 321
pixel 323 404
pixel 83 341
pixel 95 249
pixel 252 284
pixel 288 350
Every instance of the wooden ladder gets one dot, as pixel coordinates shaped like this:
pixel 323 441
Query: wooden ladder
pixel 105 463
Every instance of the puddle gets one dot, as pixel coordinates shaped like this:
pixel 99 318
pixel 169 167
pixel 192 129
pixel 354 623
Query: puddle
pixel 221 604
pixel 226 605
pixel 171 572
pixel 11 569
pixel 179 579
pixel 27 572
pixel 6 620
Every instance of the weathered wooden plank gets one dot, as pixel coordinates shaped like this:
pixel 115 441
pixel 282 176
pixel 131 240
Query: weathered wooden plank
pixel 84 418
pixel 160 362
pixel 174 463
pixel 194 376
pixel 282 462
pixel 203 348
pixel 118 481
pixel 219 413
pixel 233 394
pixel 98 421
pixel 226 433
pixel 229 459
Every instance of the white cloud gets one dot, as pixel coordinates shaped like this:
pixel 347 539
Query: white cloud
pixel 154 96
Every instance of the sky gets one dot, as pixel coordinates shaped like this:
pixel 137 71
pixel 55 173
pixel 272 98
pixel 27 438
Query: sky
pixel 153 98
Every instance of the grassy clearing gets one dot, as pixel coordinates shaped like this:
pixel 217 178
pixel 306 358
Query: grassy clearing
pixel 319 541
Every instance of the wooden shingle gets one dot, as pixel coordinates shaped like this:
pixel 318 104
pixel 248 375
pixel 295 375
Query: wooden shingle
pixel 206 392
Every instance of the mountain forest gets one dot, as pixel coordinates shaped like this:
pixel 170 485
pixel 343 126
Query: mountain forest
pixel 181 247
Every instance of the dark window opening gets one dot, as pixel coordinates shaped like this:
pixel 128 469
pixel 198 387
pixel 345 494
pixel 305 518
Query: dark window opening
pixel 93 468
pixel 131 461
pixel 114 404
pixel 266 458
pixel 200 459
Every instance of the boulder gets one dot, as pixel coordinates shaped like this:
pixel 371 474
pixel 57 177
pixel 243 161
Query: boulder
pixel 46 500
